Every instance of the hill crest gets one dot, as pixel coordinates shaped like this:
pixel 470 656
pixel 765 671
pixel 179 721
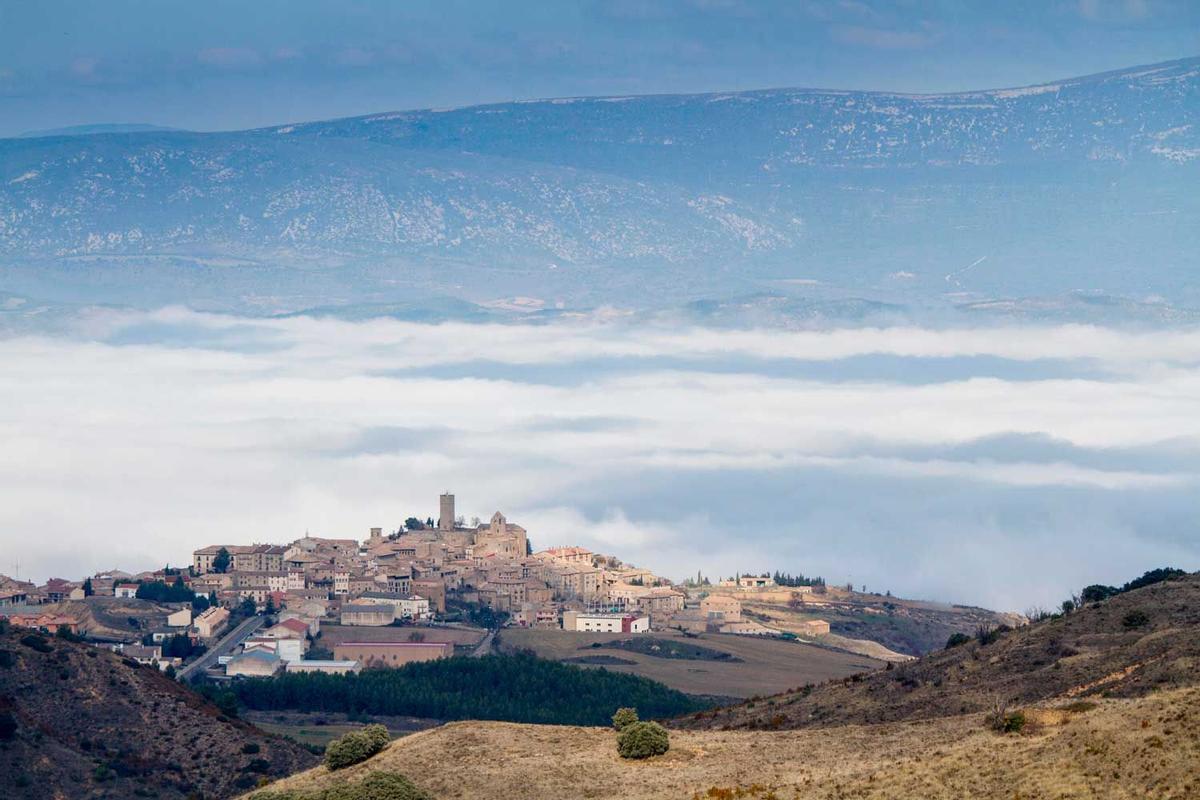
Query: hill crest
pixel 1140 641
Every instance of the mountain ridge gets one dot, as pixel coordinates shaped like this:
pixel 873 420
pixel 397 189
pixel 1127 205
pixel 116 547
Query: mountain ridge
pixel 634 201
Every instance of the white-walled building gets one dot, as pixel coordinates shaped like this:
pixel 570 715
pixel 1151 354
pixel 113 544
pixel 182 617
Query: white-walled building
pixel 605 623
pixel 288 650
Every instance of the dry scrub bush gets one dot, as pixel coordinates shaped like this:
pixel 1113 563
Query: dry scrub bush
pixel 624 718
pixel 643 740
pixel 356 747
pixel 376 786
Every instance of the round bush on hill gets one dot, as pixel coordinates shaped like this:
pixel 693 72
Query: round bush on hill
pixel 642 740
pixel 624 718
pixel 378 735
pixel 376 786
pixel 356 747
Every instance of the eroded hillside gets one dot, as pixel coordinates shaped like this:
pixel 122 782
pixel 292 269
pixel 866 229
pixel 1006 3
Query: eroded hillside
pixel 1127 646
pixel 78 722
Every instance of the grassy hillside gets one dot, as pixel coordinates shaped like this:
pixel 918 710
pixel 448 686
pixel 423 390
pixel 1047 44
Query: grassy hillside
pixel 1126 646
pixel 763 666
pixel 1120 748
pixel 1101 702
pixel 78 722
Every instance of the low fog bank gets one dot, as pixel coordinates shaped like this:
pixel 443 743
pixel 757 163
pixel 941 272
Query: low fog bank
pixel 1002 466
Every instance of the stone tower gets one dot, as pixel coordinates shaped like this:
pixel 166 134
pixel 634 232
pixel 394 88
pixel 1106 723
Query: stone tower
pixel 446 513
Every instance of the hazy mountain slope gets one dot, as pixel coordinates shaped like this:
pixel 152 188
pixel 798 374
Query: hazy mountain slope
pixel 79 722
pixel 1099 650
pixel 87 130
pixel 1082 184
pixel 1140 114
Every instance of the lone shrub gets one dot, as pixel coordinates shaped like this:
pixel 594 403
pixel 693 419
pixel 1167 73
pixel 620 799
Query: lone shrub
pixel 379 736
pixel 376 786
pixel 642 740
pixel 356 747
pixel 1014 722
pixel 986 635
pixel 1079 707
pixel 954 641
pixel 1007 722
pixel 350 749
pixel 36 642
pixel 624 718
pixel 1135 619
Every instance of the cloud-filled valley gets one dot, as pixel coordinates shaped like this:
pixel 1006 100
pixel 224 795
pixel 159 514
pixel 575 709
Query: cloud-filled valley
pixel 1002 466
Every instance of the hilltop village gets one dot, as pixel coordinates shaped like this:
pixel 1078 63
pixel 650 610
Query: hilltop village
pixel 418 593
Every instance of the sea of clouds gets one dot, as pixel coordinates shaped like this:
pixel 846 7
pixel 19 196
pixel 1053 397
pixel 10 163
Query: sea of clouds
pixel 1002 466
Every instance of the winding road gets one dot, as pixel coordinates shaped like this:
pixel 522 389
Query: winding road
pixel 225 646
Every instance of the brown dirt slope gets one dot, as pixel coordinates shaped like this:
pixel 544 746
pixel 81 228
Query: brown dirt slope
pixel 77 722
pixel 1120 748
pixel 108 618
pixel 1126 646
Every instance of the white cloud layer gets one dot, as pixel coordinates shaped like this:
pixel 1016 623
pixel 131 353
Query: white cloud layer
pixel 144 436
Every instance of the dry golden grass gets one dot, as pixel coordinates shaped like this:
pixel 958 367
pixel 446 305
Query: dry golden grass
pixel 767 666
pixel 1147 747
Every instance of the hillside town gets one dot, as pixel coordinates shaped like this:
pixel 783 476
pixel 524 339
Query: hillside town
pixel 339 605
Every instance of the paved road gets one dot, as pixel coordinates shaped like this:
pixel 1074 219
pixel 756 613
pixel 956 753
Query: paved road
pixel 227 644
pixel 485 647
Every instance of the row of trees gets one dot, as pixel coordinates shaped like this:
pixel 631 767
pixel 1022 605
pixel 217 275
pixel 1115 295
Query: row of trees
pixel 787 579
pixel 512 688
pixel 1098 592
pixel 162 592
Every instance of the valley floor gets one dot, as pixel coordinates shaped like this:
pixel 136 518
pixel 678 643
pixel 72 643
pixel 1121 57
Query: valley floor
pixel 1149 747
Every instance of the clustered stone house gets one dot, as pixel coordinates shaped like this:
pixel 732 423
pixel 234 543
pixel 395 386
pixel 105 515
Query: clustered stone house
pixel 55 605
pixel 410 575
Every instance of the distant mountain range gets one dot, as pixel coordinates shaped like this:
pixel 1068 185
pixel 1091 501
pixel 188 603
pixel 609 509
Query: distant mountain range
pixel 88 130
pixel 1083 185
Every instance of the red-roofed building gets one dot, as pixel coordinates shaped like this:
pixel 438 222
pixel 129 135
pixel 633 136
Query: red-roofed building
pixel 51 622
pixel 299 626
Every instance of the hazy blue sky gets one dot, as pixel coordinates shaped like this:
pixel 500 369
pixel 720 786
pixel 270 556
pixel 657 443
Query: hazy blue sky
pixel 220 64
